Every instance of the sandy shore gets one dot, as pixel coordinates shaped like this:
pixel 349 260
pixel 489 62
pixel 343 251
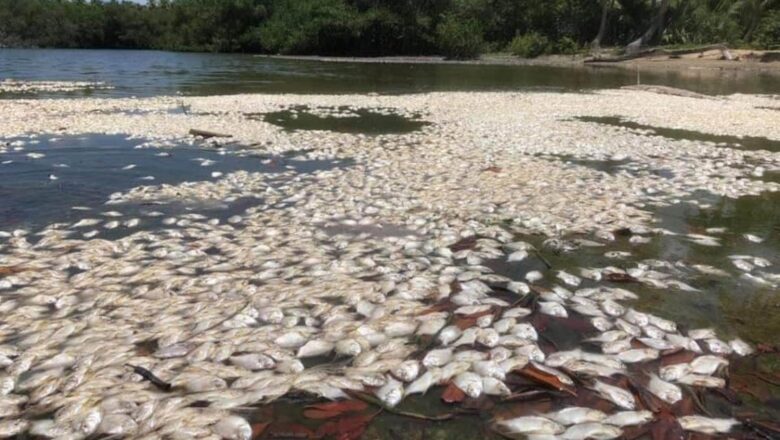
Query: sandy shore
pixel 705 61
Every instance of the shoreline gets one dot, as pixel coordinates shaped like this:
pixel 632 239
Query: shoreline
pixel 655 63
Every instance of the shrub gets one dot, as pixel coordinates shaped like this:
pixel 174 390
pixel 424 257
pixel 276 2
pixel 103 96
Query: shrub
pixel 767 35
pixel 459 39
pixel 566 46
pixel 529 45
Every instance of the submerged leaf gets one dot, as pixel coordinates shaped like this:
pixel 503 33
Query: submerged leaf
pixel 453 394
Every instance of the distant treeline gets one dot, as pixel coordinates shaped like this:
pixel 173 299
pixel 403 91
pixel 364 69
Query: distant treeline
pixel 458 28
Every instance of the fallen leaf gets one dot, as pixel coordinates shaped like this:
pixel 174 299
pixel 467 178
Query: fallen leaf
pixel 466 243
pixel 544 378
pixel 258 429
pixel 10 270
pixel 680 357
pixel 666 427
pixel 493 169
pixel 453 394
pixel 317 414
pixel 340 406
pixel 468 321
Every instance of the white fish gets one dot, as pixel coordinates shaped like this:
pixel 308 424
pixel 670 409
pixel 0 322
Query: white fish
pixel 517 256
pixel 531 425
pixel 233 428
pixel 593 431
pixel 699 380
pixel 314 348
pixel 253 361
pixel 407 371
pixel 707 364
pixel 469 383
pixel 638 355
pixel 449 334
pixel 707 425
pixel 753 238
pixel 128 167
pixel 618 396
pixel 666 391
pixel 533 276
pixel 553 309
pixel 391 393
pixel 718 347
pixel 424 382
pixel 674 371
pixel 629 418
pixel 701 333
pixel 437 358
pixel 576 415
pixel 740 347
pixel 13 427
pixel 494 387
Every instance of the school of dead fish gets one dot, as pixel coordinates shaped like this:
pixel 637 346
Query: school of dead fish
pixel 229 313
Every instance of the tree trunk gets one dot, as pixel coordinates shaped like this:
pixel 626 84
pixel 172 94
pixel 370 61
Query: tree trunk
pixel 656 27
pixel 605 8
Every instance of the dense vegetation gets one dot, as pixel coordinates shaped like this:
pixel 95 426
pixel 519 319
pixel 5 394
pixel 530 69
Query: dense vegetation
pixel 458 28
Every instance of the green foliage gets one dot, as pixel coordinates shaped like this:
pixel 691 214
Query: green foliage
pixel 456 28
pixel 767 34
pixel 566 46
pixel 530 45
pixel 459 39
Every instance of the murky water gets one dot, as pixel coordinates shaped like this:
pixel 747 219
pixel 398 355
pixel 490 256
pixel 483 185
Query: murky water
pixel 42 180
pixel 343 120
pixel 150 73
pixel 742 143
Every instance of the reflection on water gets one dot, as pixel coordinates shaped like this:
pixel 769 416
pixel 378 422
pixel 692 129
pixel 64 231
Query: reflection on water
pixel 40 182
pixel 150 73
pixel 343 120
pixel 739 142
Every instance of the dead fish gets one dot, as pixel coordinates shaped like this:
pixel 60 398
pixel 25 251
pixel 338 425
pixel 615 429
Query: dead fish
pixel 674 371
pixel 568 278
pixel 699 380
pixel 638 355
pixel 629 418
pixel 710 270
pixel 666 391
pixel 594 431
pixel 424 382
pixel 148 375
pixel 618 396
pixel 407 371
pixel 494 387
pixel 233 428
pixel 391 392
pixel 14 427
pixel 576 415
pixel 707 364
pixel 533 276
pixel 718 347
pixel 253 361
pixel 553 309
pixel 530 425
pixel 753 238
pixel 469 383
pixel 314 348
pixel 707 425
pixel 517 256
pixel 741 347
pixel 701 333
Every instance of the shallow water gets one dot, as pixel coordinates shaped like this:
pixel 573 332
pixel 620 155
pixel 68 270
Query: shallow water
pixel 741 143
pixel 343 120
pixel 89 168
pixel 151 73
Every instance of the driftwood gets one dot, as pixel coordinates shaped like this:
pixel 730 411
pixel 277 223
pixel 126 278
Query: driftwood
pixel 724 50
pixel 208 134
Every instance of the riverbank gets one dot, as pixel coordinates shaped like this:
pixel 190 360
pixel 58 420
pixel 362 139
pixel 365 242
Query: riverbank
pixel 706 61
pixel 473 252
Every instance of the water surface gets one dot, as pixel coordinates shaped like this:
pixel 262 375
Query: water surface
pixel 151 73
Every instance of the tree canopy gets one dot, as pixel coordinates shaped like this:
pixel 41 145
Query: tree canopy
pixel 458 28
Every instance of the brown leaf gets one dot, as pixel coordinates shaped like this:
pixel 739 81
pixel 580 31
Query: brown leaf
pixel 342 406
pixel 544 378
pixel 666 427
pixel 467 321
pixel 453 394
pixel 258 429
pixel 350 427
pixel 493 169
pixel 466 243
pixel 680 357
pixel 317 414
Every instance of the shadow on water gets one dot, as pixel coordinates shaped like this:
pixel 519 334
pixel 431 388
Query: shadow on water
pixel 742 143
pixel 614 166
pixel 343 120
pixel 85 170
